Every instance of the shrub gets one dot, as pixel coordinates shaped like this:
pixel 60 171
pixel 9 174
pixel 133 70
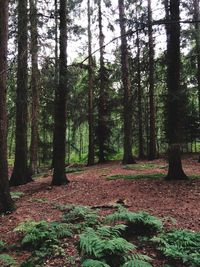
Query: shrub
pixel 106 246
pixel 180 245
pixel 82 216
pixel 7 260
pixel 139 223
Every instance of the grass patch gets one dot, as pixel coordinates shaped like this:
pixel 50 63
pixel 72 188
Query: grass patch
pixel 137 176
pixel 146 166
pixel 16 195
pixel 74 170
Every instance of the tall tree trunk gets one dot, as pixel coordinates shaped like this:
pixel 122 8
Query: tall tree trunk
pixel 152 123
pixel 174 101
pixel 59 145
pixel 90 91
pixel 20 174
pixel 128 156
pixel 6 203
pixel 140 122
pixel 34 87
pixel 56 73
pixel 102 107
pixel 197 28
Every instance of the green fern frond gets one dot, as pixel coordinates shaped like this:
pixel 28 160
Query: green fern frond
pixel 180 244
pixel 138 221
pixel 7 260
pixel 94 263
pixel 136 263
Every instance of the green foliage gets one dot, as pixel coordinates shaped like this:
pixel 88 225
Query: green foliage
pixel 7 260
pixel 107 246
pixel 94 263
pixel 16 195
pixel 72 170
pixel 140 223
pixel 180 245
pixel 137 263
pixel 145 166
pixel 2 245
pixel 82 216
pixel 36 233
pixel 137 176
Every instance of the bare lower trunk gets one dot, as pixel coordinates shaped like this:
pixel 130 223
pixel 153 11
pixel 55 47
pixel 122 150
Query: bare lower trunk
pixel 59 146
pixel 175 102
pixel 35 88
pixel 175 171
pixel 6 203
pixel 20 174
pixel 152 142
pixel 128 156
pixel 90 93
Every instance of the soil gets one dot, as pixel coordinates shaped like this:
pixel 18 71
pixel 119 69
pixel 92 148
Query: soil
pixel 179 200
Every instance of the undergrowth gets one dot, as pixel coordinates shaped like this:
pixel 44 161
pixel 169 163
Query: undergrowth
pixel 7 260
pixel 81 216
pixel 136 176
pixel 43 239
pixel 105 247
pixel 180 245
pixel 16 195
pixel 138 223
pixel 146 166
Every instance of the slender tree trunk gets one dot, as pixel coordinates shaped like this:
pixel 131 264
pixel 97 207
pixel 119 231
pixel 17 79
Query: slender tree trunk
pixel 174 101
pixel 34 87
pixel 128 156
pixel 20 173
pixel 56 77
pixel 90 92
pixel 59 146
pixel 152 122
pixel 197 28
pixel 140 121
pixel 102 107
pixel 6 203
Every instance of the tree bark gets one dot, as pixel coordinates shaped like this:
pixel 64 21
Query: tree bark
pixel 59 146
pixel 35 88
pixel 103 96
pixel 128 156
pixel 90 92
pixel 140 120
pixel 174 99
pixel 197 28
pixel 152 123
pixel 6 203
pixel 20 174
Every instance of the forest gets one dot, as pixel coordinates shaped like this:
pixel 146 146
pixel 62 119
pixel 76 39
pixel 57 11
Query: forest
pixel 100 133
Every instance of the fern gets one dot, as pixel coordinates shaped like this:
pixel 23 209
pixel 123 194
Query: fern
pixel 137 222
pixel 180 245
pixel 2 245
pixel 7 260
pixel 94 263
pixel 81 216
pixel 136 263
pixel 106 245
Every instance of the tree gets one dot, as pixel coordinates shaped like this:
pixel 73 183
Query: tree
pixel 175 108
pixel 90 91
pixel 20 174
pixel 6 203
pixel 152 123
pixel 34 87
pixel 197 35
pixel 128 156
pixel 59 144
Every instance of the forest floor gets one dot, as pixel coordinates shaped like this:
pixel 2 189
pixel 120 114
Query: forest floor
pixel 179 200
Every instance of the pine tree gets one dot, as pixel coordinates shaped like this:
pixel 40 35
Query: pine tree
pixel 59 145
pixel 128 156
pixel 174 100
pixel 20 174
pixel 6 203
